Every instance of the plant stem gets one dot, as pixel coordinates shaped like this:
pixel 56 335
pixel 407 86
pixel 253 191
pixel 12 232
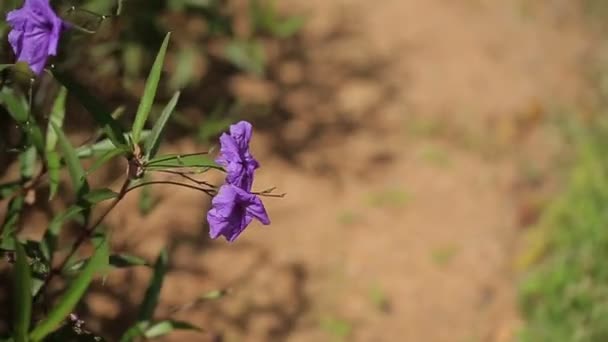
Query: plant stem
pixel 86 233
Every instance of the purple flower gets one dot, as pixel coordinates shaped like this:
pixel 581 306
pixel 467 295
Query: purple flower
pixel 235 156
pixel 232 210
pixel 35 33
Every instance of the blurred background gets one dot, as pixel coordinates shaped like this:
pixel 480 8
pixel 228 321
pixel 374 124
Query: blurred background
pixel 444 164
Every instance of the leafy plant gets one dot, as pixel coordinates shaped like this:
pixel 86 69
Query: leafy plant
pixel 564 296
pixel 47 156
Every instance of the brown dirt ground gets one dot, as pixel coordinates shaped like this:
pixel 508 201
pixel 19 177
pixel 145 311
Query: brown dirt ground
pixel 402 211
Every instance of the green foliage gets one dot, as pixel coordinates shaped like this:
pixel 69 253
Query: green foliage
pixel 247 55
pixel 148 306
pixel 565 296
pixel 145 105
pixel 39 108
pixel 74 292
pixel 75 169
pixel 22 307
pixel 266 18
pixel 100 114
pixel 340 329
pixel 153 141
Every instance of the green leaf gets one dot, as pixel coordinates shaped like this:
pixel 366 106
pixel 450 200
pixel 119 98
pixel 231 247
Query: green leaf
pixel 53 161
pixel 8 189
pixel 16 105
pixel 247 55
pixel 75 169
pixel 145 105
pixel 146 310
pixel 22 307
pixel 289 27
pixel 27 163
pixel 101 115
pixel 74 293
pixel 183 161
pixel 18 108
pixel 104 146
pixel 10 221
pixel 56 118
pixel 135 331
pixel 153 141
pixel 106 157
pixel 115 260
pixel 127 260
pixel 99 195
pixel 213 295
pixel 5 66
pixel 164 327
pixel 53 164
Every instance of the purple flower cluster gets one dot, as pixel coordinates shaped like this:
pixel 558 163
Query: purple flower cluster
pixel 35 33
pixel 234 206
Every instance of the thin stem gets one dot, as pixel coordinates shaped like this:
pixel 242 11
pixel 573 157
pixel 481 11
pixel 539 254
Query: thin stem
pixel 185 175
pixel 175 157
pixel 207 191
pixel 86 233
pixel 265 194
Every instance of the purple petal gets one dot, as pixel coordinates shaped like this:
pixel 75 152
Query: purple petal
pixel 15 38
pixel 17 18
pixel 35 33
pixel 232 210
pixel 256 209
pixel 241 133
pixel 54 36
pixel 235 156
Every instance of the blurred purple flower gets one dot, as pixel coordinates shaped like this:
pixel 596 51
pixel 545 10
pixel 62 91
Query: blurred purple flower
pixel 35 33
pixel 235 156
pixel 232 210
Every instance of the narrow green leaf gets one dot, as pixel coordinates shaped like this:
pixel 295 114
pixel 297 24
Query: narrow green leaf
pixel 164 327
pixel 135 331
pixel 27 163
pixel 116 261
pixel 127 260
pixel 101 115
pixel 10 221
pixel 180 161
pixel 153 141
pixel 5 66
pixel 213 295
pixel 22 307
pixel 104 146
pixel 53 164
pixel 106 157
pixel 53 161
pixel 18 108
pixel 16 105
pixel 74 293
pixel 99 195
pixel 75 169
pixel 145 105
pixel 8 189
pixel 146 310
pixel 56 118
